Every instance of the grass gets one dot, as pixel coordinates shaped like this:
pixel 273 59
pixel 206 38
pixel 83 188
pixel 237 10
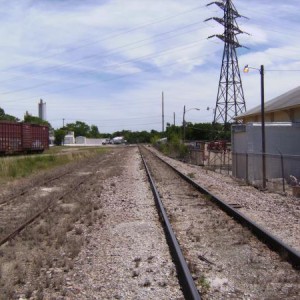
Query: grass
pixel 204 283
pixel 191 175
pixel 53 241
pixel 22 166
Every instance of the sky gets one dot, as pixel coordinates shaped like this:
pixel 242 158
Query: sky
pixel 107 62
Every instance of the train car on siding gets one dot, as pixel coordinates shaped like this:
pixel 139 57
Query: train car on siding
pixel 23 138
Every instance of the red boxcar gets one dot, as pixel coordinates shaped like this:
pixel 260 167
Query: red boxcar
pixel 23 138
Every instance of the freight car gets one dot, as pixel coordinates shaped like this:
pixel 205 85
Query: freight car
pixel 23 138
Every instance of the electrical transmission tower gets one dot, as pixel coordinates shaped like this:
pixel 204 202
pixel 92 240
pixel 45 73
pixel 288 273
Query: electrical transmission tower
pixel 230 99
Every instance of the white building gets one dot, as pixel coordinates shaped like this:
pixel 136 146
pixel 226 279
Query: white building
pixel 69 138
pixel 282 140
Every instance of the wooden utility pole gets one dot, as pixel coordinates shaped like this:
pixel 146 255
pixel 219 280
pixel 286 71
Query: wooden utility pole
pixel 163 114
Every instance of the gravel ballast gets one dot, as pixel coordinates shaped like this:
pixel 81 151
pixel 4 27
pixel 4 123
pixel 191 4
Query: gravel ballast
pixel 123 253
pixel 127 256
pixel 279 214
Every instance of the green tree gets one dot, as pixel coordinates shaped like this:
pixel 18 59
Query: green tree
pixel 5 117
pixel 207 132
pixel 94 132
pixel 35 120
pixel 79 128
pixel 172 130
pixel 59 135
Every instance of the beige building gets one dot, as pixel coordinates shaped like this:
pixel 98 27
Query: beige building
pixel 284 108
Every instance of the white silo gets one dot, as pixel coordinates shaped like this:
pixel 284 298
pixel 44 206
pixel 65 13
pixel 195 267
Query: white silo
pixel 42 110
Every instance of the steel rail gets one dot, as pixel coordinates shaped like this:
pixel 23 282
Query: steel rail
pixel 26 190
pixel 186 280
pixel 285 251
pixel 30 220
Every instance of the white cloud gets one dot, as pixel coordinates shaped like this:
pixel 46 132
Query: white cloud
pixel 100 62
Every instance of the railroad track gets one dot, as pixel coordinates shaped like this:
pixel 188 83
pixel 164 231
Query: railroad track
pixel 189 288
pixel 27 190
pixel 40 183
pixel 218 249
pixel 48 240
pixel 23 208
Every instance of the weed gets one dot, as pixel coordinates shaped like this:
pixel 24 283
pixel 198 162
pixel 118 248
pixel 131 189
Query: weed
pixel 40 295
pixel 97 206
pixel 135 274
pixel 18 167
pixel 70 265
pixel 147 283
pixel 204 283
pixel 28 293
pixel 74 247
pixel 137 261
pixel 78 230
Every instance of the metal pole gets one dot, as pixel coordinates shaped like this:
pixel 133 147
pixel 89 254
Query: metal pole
pixel 183 124
pixel 163 114
pixel 174 118
pixel 263 140
pixel 282 172
pixel 247 172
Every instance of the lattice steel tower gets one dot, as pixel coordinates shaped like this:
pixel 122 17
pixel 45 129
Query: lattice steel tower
pixel 230 99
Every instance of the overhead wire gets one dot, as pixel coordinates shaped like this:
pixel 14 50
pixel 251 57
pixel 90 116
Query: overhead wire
pixel 106 38
pixel 89 57
pixel 87 72
pixel 149 56
pixel 113 51
pixel 130 74
pixel 106 80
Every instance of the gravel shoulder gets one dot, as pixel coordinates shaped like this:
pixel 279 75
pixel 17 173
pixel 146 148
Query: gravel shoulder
pixel 114 248
pixel 226 260
pixel 127 256
pixel 277 213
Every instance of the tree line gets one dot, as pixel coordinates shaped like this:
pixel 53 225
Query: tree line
pixel 193 131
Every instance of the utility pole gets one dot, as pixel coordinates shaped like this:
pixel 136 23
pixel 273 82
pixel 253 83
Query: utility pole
pixel 183 124
pixel 230 98
pixel 174 118
pixel 63 141
pixel 263 133
pixel 163 115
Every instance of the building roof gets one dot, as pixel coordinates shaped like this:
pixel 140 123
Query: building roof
pixel 287 100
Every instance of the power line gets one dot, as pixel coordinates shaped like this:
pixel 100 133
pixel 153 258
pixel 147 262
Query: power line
pixel 106 38
pixel 102 81
pixel 153 55
pixel 109 53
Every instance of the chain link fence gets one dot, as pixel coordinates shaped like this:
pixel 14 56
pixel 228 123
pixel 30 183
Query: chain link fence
pixel 281 170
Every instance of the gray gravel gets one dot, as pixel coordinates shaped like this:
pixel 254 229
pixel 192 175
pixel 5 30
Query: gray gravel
pixel 279 214
pixel 127 256
pixel 226 260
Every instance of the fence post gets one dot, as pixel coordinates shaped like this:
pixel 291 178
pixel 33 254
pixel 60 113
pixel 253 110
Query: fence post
pixel 228 161
pixel 282 172
pixel 236 162
pixel 247 176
